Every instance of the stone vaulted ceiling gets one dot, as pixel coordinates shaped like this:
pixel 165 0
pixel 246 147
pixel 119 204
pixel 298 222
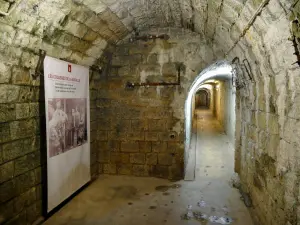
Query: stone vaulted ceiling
pixel 81 29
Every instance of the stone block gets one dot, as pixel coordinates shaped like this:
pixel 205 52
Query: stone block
pixel 4 6
pixel 29 94
pixel 157 113
pixel 109 168
pixel 21 76
pixel 7 211
pixel 157 125
pixel 29 60
pixel 93 114
pixel 22 128
pixel 117 135
pixel 5 73
pixel 6 171
pixel 145 146
pixel 273 124
pixel 135 136
pixel 159 147
pixel 4 132
pixel 76 28
pixel 175 147
pixel 129 146
pixel 112 146
pixel 137 158
pixel 18 219
pixel 25 200
pixel 7 191
pixel 262 140
pixel 151 136
pixel 26 163
pixel 103 156
pixel 22 38
pixel 7 33
pixel 34 109
pixel 140 49
pixel 126 60
pixel 12 150
pixel 169 69
pixel 124 169
pixel 140 170
pixel 118 158
pixel 9 93
pixel 104 124
pixel 7 112
pixel 22 111
pixel 151 158
pixel 179 158
pixel 95 146
pixel 152 59
pixel 165 159
pixel 167 92
pixel 125 71
pixel 115 84
pixel 30 144
pixel 101 135
pixel 261 119
pixel 34 211
pixel 273 145
pixel 138 125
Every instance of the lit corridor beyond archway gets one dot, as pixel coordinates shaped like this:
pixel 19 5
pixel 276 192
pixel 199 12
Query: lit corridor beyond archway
pixel 215 168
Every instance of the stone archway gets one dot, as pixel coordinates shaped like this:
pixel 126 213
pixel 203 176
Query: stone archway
pixel 202 97
pixel 218 70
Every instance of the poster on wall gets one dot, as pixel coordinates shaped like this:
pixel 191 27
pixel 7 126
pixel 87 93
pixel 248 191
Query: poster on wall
pixel 67 129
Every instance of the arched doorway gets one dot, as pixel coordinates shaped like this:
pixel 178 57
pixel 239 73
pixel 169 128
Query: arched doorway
pixel 220 70
pixel 202 98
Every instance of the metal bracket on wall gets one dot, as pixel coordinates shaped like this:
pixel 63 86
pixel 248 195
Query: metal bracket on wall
pixel 241 69
pixel 179 66
pixel 236 70
pixel 248 69
pixel 39 70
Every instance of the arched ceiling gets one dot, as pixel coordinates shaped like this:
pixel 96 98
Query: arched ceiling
pixel 118 17
pixel 84 27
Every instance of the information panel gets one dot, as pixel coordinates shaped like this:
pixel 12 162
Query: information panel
pixel 68 129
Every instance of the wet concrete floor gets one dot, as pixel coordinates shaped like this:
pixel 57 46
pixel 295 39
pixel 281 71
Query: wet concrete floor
pixel 124 200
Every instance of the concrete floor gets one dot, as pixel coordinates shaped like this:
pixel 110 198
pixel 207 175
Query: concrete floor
pixel 122 200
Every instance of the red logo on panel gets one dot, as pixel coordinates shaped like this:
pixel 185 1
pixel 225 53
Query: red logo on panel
pixel 69 68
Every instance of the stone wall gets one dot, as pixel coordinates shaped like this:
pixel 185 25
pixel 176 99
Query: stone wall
pixel 54 28
pixel 22 141
pixel 267 136
pixel 142 129
pixel 23 147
